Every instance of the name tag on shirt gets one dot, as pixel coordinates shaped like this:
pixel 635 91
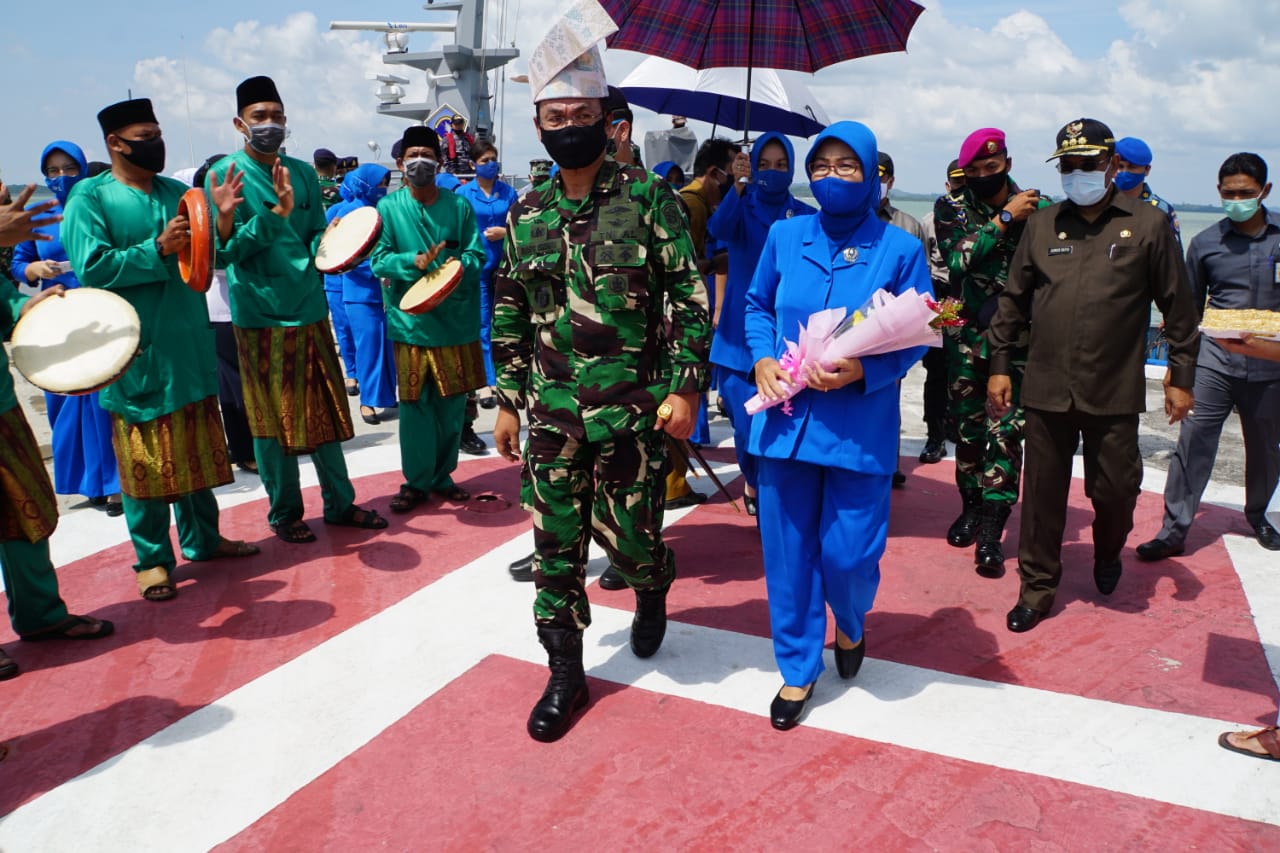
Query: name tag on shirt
pixel 1059 250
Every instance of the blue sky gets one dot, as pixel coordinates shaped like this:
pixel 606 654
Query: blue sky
pixel 1184 74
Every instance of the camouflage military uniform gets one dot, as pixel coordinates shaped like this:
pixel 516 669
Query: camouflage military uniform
pixel 579 335
pixel 989 452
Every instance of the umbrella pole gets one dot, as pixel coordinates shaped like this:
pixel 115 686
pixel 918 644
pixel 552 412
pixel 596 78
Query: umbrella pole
pixel 751 38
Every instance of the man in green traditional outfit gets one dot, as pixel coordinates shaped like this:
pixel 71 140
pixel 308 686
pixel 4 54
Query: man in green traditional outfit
pixel 293 385
pixel 438 353
pixel 123 233
pixel 28 509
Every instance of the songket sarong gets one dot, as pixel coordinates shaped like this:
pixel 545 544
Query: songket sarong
pixel 173 455
pixel 455 369
pixel 28 508
pixel 294 390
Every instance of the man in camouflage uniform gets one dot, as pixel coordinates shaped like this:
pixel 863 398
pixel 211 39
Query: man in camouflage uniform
pixel 978 227
pixel 597 261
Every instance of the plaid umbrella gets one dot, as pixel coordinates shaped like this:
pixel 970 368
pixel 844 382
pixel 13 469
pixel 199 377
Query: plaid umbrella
pixel 793 35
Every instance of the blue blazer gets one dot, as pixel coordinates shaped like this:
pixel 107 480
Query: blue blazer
pixel 801 271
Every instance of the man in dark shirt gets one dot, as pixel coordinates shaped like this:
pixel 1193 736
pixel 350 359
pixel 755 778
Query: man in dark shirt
pixel 1234 263
pixel 1091 267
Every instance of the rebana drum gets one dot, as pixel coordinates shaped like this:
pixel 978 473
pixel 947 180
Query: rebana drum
pixel 195 262
pixel 350 241
pixel 77 343
pixel 433 288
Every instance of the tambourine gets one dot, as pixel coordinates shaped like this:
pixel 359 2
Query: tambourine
pixel 350 241
pixel 77 343
pixel 195 261
pixel 433 288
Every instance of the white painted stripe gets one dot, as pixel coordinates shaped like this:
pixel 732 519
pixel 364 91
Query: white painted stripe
pixel 230 763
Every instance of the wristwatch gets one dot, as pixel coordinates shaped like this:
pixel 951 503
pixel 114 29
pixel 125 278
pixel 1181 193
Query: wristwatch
pixel 1006 217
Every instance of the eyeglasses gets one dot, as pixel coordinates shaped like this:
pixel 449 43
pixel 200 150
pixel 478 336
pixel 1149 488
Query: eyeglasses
pixel 70 170
pixel 1083 165
pixel 843 169
pixel 559 121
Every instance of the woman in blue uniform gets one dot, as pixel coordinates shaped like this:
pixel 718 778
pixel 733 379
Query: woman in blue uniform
pixel 740 224
pixel 825 468
pixel 83 460
pixel 374 366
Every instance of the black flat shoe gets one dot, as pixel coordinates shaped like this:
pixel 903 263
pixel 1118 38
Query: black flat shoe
pixel 1267 536
pixel 1106 574
pixel 752 505
pixel 371 419
pixel 849 661
pixel 784 714
pixel 1158 549
pixel 899 479
pixel 1021 619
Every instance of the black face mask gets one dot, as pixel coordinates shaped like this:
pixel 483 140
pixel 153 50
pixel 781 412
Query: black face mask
pixel 146 154
pixel 575 147
pixel 987 186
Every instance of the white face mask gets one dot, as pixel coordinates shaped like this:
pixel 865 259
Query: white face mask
pixel 884 191
pixel 1085 188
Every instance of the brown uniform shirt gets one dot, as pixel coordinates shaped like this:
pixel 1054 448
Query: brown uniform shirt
pixel 1086 289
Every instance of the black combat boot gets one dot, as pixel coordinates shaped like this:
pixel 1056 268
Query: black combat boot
pixel 566 688
pixel 989 555
pixel 963 530
pixel 935 447
pixel 650 623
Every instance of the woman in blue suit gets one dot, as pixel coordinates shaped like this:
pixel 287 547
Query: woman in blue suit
pixel 825 469
pixel 84 462
pixel 740 224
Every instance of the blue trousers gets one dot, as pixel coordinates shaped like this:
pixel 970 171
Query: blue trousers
pixel 486 327
pixel 823 531
pixel 342 331
pixel 375 361
pixel 736 389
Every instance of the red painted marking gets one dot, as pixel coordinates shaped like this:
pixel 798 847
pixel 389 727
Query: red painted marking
pixel 77 704
pixel 642 769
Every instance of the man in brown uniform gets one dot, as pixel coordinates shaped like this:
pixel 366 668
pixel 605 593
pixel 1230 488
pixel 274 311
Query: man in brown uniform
pixel 1091 266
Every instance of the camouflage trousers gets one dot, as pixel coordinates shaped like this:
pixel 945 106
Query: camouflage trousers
pixel 620 483
pixel 989 451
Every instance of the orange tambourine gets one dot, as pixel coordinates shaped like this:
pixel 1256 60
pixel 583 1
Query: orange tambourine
pixel 433 288
pixel 195 262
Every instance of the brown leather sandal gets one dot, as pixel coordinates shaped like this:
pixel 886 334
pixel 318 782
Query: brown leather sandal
pixel 1267 738
pixel 154 584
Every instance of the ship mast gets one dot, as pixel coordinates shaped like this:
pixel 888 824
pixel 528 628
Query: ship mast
pixel 457 74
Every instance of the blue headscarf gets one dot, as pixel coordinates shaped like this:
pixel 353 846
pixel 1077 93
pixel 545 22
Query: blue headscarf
pixel 663 169
pixel 844 205
pixel 61 185
pixel 773 195
pixel 364 185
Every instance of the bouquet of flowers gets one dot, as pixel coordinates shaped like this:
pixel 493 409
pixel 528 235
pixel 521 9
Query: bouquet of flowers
pixel 887 323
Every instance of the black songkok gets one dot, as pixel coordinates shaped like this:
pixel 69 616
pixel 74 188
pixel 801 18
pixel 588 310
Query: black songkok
pixel 419 135
pixel 256 90
pixel 125 113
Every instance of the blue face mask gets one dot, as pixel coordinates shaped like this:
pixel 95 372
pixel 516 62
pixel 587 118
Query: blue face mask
pixel 1240 210
pixel 772 183
pixel 489 171
pixel 842 198
pixel 61 186
pixel 1126 181
pixel 377 194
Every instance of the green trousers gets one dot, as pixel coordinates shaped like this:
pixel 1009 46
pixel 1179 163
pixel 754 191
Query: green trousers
pixel 31 585
pixel 279 473
pixel 196 517
pixel 430 430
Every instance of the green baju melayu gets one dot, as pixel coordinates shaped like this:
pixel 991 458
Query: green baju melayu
pixel 160 406
pixel 438 355
pixel 288 361
pixel 28 510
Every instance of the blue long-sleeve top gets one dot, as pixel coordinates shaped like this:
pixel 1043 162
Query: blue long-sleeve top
pixel 804 268
pixel 361 187
pixel 30 251
pixel 741 224
pixel 491 210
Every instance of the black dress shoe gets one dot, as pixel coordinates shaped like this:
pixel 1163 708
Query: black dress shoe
pixel 1158 549
pixel 1022 619
pixel 1106 574
pixel 1267 536
pixel 785 713
pixel 489 402
pixel 934 451
pixel 115 509
pixel 612 580
pixel 522 570
pixel 691 499
pixel 752 504
pixel 899 479
pixel 849 661
pixel 472 444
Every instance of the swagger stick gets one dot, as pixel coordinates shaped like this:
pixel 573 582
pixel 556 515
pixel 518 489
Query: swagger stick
pixel 684 448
